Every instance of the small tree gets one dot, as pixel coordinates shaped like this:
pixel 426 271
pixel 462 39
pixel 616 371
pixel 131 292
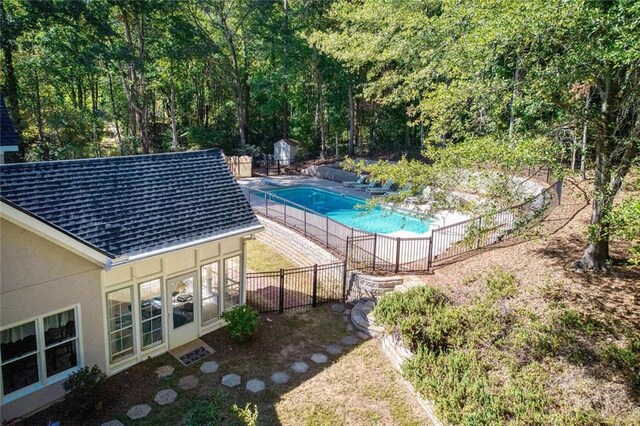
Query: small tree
pixel 85 389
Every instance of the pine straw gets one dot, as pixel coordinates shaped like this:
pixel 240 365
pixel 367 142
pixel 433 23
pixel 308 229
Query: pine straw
pixel 541 263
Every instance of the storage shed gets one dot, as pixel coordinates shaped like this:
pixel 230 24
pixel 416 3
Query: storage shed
pixel 285 151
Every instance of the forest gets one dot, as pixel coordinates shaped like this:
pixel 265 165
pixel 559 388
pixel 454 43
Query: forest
pixel 104 77
pixel 469 83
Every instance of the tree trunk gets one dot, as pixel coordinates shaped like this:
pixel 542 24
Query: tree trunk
pixel 352 124
pixel 585 128
pixel 113 109
pixel 514 96
pixel 172 111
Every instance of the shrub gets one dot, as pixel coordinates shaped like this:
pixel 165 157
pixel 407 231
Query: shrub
pixel 246 415
pixel 206 412
pixel 242 321
pixel 85 389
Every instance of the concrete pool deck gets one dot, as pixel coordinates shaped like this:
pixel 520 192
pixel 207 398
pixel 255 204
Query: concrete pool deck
pixel 441 219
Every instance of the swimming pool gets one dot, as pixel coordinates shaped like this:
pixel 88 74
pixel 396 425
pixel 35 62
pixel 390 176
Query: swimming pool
pixel 342 208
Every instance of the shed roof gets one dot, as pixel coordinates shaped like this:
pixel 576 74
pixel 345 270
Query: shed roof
pixel 289 141
pixel 133 205
pixel 8 135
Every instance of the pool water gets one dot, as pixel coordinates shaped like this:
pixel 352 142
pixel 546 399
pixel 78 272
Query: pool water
pixel 342 208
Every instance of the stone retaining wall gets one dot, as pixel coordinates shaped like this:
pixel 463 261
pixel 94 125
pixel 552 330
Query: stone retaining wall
pixel 330 173
pixel 398 354
pixel 371 286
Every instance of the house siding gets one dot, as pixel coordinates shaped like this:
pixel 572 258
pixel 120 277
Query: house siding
pixel 38 277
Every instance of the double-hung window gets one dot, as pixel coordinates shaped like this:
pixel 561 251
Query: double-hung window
pixel 39 351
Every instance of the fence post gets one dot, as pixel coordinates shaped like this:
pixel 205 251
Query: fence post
pixel 266 162
pixel 327 228
pixel 430 255
pixel 478 237
pixel 397 254
pixel 285 212
pixel 375 249
pixel 281 305
pixel 266 205
pixel 278 167
pixel 314 301
pixel 344 271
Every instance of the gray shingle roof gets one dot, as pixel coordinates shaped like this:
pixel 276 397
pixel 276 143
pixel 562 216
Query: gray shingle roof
pixel 132 205
pixel 8 135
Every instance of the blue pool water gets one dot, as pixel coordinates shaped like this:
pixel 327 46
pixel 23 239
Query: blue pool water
pixel 342 208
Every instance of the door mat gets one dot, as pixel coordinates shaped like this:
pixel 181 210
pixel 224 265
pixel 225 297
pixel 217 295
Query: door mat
pixel 192 352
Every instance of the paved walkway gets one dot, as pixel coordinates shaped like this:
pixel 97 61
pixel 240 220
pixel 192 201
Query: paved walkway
pixel 298 367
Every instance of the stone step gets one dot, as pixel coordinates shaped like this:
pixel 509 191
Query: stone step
pixel 362 320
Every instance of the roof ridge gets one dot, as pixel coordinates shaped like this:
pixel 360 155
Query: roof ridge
pixel 113 158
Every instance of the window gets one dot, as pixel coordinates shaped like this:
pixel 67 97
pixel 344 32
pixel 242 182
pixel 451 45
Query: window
pixel 60 340
pixel 151 313
pixel 38 350
pixel 210 292
pixel 120 324
pixel 231 282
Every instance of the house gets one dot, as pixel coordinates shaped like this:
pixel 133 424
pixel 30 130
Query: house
pixel 110 261
pixel 8 135
pixel 285 151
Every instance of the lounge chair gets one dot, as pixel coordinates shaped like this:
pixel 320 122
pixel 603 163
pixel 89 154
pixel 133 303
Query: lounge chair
pixel 352 183
pixel 381 190
pixel 405 188
pixel 365 186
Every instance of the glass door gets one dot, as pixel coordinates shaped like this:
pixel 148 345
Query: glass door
pixel 183 326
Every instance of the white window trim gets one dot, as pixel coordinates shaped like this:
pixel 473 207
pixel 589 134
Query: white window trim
pixel 41 348
pixel 223 301
pixel 154 345
pixel 220 265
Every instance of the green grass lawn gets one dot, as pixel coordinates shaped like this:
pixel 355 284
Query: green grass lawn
pixel 262 258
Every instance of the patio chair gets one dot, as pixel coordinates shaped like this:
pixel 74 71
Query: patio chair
pixel 405 188
pixel 365 186
pixel 352 183
pixel 381 190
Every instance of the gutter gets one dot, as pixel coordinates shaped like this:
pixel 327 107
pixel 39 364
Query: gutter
pixel 126 259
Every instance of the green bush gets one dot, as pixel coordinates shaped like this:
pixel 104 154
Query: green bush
pixel 206 412
pixel 242 321
pixel 85 389
pixel 246 416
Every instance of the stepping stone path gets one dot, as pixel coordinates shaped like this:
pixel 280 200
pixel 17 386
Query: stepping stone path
pixel 231 380
pixel 113 423
pixel 188 382
pixel 280 377
pixel 319 358
pixel 347 311
pixel 166 396
pixel 164 371
pixel 349 340
pixel 337 307
pixel 209 367
pixel 255 385
pixel 349 327
pixel 138 411
pixel 300 367
pixel 334 349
